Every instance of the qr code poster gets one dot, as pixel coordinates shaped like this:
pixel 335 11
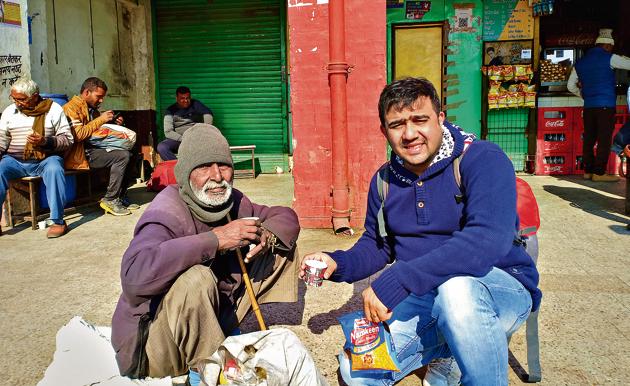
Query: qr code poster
pixel 463 20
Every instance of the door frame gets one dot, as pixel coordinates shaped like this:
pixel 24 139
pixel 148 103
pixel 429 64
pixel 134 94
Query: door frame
pixel 391 59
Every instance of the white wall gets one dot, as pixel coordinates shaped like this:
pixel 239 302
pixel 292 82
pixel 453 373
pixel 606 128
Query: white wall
pixel 14 51
pixel 39 44
pixel 76 39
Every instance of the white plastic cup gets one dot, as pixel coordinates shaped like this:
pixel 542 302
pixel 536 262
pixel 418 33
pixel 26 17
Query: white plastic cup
pixel 314 272
pixel 42 224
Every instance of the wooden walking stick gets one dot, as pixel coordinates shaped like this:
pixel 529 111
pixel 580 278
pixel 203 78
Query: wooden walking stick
pixel 248 286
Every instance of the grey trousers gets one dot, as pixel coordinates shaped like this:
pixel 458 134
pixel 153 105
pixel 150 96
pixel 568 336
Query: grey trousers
pixel 119 169
pixel 191 323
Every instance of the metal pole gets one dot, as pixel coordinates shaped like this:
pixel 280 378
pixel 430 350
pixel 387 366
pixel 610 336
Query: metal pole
pixel 338 71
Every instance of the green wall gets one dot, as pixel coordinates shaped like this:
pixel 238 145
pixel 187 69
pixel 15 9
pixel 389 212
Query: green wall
pixel 463 60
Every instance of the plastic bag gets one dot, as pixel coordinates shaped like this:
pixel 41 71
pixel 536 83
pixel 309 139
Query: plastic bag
pixel 273 357
pixel 110 136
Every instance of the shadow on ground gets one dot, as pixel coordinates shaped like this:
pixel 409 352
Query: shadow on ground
pixel 591 201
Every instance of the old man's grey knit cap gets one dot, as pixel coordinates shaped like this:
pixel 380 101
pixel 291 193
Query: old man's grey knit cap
pixel 201 144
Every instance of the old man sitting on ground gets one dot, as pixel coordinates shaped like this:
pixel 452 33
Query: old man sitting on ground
pixel 182 285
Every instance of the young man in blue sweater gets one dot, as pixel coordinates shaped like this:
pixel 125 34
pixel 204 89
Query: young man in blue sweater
pixel 459 284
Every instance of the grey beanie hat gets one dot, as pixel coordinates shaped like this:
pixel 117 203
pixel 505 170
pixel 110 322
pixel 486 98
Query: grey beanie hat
pixel 202 144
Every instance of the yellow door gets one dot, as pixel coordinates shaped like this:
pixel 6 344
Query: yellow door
pixel 418 52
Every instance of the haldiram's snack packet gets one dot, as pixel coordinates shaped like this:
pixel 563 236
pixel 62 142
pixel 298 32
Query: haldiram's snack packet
pixel 370 344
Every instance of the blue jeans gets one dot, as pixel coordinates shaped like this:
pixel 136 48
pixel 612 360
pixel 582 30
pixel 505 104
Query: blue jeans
pixel 469 318
pixel 52 173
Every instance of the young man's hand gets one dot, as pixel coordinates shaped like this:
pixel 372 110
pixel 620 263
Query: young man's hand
pixel 107 115
pixel 321 256
pixel 375 310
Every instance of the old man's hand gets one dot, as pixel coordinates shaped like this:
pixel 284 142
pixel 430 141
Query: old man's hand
pixel 238 233
pixel 267 242
pixel 36 140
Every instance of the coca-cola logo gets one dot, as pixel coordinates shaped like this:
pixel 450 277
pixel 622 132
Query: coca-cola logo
pixel 556 123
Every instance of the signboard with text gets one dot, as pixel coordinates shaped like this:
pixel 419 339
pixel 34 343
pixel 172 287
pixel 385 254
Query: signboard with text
pixel 507 20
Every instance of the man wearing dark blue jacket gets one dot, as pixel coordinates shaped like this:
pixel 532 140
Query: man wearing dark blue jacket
pixel 179 117
pixel 593 79
pixel 459 284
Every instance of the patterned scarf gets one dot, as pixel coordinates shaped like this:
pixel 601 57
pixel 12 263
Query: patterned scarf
pixel 448 144
pixel 39 112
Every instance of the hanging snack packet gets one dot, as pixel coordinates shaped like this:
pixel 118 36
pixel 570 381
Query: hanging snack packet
pixel 370 344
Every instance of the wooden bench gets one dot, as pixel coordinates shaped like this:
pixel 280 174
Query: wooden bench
pixel 240 173
pixel 245 172
pixel 30 186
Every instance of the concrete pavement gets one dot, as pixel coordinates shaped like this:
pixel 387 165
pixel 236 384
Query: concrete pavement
pixel 584 260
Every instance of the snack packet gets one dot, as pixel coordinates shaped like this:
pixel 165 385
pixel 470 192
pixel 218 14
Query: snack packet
pixel 494 73
pixel 493 101
pixel 507 72
pixel 370 345
pixel 495 87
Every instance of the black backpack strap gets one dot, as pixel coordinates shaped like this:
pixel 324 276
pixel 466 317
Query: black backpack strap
pixel 382 185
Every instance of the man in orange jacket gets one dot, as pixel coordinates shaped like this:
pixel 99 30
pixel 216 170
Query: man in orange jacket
pixel 82 110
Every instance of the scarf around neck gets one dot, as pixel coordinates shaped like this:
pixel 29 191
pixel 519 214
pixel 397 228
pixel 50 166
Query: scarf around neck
pixel 201 211
pixel 39 112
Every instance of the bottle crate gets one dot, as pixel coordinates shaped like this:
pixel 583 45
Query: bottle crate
pixel 555 118
pixel 554 163
pixel 578 143
pixel 560 141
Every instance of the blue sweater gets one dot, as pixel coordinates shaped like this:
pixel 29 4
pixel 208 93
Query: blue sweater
pixel 598 78
pixel 436 238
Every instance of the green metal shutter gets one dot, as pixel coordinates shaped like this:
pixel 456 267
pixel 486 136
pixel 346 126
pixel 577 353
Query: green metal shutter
pixel 231 54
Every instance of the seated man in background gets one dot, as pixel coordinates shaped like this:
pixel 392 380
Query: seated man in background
pixel 82 111
pixel 182 286
pixel 33 132
pixel 178 118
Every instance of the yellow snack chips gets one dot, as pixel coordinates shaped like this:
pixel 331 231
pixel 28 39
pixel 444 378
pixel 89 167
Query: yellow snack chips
pixel 370 344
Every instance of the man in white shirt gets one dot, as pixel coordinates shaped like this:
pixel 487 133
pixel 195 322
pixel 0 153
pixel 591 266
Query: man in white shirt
pixel 593 79
pixel 34 133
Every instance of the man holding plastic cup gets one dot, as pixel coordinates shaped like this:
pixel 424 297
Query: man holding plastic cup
pixel 455 282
